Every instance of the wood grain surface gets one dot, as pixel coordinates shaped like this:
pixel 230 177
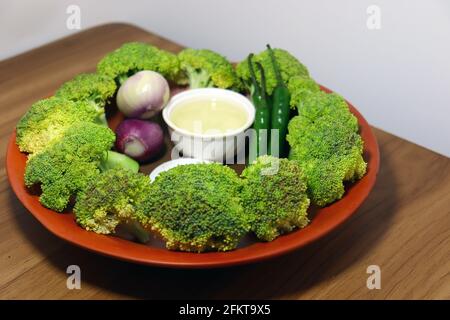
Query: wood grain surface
pixel 403 227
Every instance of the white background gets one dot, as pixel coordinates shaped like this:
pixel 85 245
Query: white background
pixel 398 76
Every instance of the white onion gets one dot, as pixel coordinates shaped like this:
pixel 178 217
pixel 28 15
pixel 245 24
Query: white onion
pixel 143 95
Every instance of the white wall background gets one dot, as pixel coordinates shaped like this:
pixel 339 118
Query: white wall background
pixel 398 76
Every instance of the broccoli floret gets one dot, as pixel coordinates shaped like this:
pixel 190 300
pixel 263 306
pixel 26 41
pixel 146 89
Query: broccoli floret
pixel 274 195
pixel 206 68
pixel 327 136
pixel 325 178
pixel 288 64
pixel 64 168
pixel 329 152
pixel 92 87
pixel 301 89
pixel 113 198
pixel 324 104
pixel 137 56
pixel 197 207
pixel 47 120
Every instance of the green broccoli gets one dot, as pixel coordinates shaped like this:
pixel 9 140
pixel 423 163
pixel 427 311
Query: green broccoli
pixel 321 104
pixel 197 207
pixel 301 88
pixel 92 87
pixel 329 152
pixel 274 195
pixel 47 120
pixel 113 198
pixel 206 68
pixel 137 56
pixel 288 64
pixel 64 168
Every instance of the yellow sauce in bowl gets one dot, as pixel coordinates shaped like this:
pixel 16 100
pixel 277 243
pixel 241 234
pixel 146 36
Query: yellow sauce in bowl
pixel 209 116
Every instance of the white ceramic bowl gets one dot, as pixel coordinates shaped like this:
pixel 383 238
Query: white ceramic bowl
pixel 212 147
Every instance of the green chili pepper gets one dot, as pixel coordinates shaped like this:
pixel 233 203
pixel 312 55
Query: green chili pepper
pixel 262 113
pixel 280 110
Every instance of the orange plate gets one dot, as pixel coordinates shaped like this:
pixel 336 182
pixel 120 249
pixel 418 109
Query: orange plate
pixel 325 220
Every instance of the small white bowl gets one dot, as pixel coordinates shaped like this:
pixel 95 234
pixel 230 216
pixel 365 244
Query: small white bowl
pixel 212 147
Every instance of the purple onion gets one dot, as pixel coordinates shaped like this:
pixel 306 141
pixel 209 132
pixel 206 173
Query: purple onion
pixel 143 95
pixel 139 139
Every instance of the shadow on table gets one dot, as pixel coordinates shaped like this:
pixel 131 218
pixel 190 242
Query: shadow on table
pixel 285 277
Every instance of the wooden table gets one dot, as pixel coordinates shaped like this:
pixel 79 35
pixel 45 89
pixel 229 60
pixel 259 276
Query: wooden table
pixel 403 227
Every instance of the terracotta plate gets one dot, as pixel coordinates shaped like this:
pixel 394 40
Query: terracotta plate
pixel 324 219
